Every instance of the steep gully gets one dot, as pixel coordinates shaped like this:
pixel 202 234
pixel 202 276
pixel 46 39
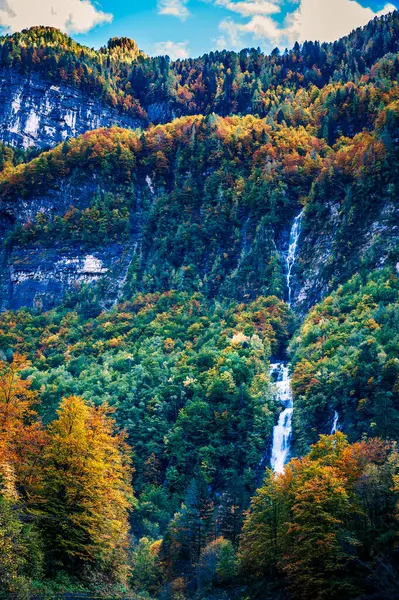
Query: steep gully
pixel 279 372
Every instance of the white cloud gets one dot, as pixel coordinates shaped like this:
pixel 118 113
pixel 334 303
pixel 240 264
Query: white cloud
pixel 72 16
pixel 327 20
pixel 259 27
pixel 174 8
pixel 323 20
pixel 173 49
pixel 250 7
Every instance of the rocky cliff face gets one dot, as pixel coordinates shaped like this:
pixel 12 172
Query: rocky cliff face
pixel 36 113
pixel 321 263
pixel 40 275
pixel 40 278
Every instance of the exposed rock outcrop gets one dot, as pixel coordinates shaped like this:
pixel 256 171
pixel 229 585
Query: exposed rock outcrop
pixel 39 277
pixel 36 113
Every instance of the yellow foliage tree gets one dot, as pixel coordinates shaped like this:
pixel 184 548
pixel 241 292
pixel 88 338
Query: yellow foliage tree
pixel 88 491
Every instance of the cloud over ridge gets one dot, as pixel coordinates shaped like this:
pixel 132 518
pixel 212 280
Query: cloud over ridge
pixel 323 20
pixel 173 49
pixel 71 16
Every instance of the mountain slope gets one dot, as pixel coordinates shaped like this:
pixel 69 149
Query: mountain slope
pixel 345 360
pixel 53 88
pixel 202 203
pixel 143 270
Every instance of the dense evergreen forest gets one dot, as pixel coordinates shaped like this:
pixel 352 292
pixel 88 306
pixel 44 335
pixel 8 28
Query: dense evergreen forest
pixel 138 409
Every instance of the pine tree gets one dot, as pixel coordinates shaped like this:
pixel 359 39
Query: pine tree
pixel 198 517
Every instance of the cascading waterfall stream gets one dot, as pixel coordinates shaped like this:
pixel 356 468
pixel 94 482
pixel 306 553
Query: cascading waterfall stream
pixel 282 432
pixel 335 426
pixel 292 252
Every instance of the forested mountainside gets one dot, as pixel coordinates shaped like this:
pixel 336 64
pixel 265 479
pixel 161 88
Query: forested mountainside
pixel 199 204
pixel 204 203
pixel 206 290
pixel 52 87
pixel 345 359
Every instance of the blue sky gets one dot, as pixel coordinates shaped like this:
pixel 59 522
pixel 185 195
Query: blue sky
pixel 192 27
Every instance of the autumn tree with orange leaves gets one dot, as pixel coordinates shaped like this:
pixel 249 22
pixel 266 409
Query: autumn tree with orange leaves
pixel 21 443
pixel 65 492
pixel 327 526
pixel 22 437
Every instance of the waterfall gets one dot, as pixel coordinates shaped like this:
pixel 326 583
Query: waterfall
pixel 335 426
pixel 292 252
pixel 282 432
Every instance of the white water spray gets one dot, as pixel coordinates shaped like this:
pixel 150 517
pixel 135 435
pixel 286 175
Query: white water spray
pixel 282 432
pixel 335 426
